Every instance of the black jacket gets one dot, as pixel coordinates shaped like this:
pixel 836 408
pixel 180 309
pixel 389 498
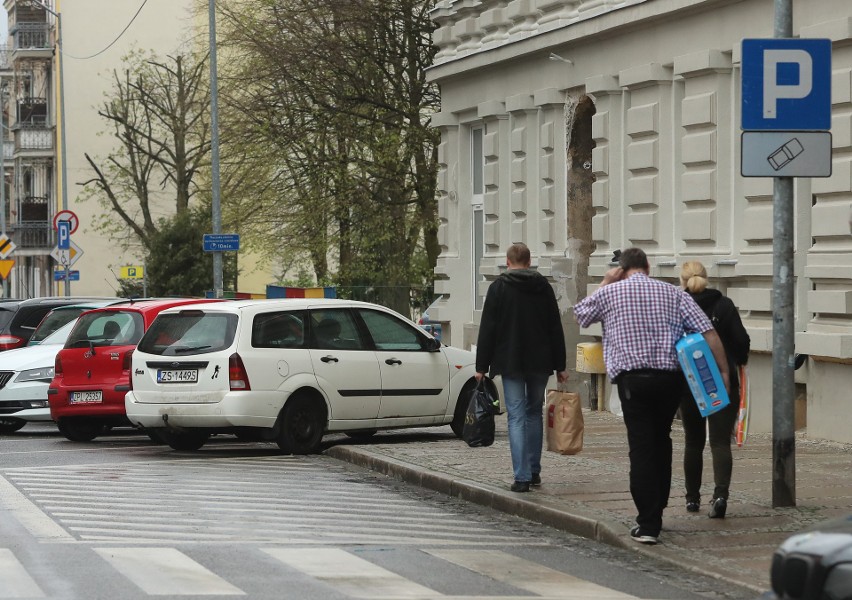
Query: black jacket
pixel 726 320
pixel 521 331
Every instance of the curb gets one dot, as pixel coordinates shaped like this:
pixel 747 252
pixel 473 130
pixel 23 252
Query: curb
pixel 576 523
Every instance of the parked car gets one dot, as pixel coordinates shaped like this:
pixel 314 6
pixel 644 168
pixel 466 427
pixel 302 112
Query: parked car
pixel 26 373
pixel 814 565
pixel 290 371
pixel 20 318
pixel 92 370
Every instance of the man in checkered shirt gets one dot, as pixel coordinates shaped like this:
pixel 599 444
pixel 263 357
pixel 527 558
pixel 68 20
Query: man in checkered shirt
pixel 642 319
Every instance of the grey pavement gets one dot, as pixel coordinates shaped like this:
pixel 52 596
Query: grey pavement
pixel 588 494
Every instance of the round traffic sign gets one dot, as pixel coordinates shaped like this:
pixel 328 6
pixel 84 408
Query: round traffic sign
pixel 66 215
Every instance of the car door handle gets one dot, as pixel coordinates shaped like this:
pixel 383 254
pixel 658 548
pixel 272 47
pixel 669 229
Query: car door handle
pixel 393 361
pixel 328 359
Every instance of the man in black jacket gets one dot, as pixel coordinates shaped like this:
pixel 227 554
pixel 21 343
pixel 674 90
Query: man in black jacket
pixel 521 338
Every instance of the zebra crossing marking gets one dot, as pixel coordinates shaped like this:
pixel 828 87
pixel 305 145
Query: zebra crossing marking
pixel 350 574
pixel 527 575
pixel 40 525
pixel 16 582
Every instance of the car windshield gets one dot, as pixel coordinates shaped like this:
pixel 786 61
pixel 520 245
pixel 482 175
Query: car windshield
pixel 53 321
pixel 107 328
pixel 189 332
pixel 60 336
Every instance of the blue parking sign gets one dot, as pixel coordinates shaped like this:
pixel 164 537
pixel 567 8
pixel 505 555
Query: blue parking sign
pixel 786 84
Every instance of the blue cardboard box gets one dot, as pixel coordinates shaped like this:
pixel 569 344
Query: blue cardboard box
pixel 702 374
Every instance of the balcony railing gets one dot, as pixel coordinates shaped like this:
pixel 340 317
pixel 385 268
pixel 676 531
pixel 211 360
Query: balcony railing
pixel 31 36
pixel 38 234
pixel 33 138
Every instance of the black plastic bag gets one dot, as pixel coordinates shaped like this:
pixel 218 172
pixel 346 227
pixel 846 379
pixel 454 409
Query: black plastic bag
pixel 479 420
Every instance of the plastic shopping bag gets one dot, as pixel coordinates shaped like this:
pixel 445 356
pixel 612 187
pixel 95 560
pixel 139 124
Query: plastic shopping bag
pixel 479 420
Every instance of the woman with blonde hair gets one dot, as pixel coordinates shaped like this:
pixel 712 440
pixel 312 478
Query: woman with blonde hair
pixel 726 320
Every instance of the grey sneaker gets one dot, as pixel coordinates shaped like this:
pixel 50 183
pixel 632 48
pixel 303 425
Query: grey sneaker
pixel 642 538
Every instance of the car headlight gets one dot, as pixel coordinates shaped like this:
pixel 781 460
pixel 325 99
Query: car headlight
pixel 838 585
pixel 42 374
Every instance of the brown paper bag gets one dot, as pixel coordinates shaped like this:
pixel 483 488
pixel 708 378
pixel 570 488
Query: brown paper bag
pixel 563 417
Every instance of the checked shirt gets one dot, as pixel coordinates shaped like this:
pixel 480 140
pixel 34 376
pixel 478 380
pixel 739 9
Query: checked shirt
pixel 642 319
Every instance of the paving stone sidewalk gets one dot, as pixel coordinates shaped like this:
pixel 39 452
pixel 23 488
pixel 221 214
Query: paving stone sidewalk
pixel 588 494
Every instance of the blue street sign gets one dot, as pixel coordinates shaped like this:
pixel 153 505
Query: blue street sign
pixel 59 275
pixel 786 84
pixel 221 242
pixel 63 235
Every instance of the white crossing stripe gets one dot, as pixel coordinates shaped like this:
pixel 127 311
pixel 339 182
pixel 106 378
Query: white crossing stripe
pixel 526 575
pixel 40 525
pixel 15 582
pixel 166 572
pixel 350 574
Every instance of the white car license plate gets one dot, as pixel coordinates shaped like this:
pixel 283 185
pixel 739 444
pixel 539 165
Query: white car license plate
pixel 87 397
pixel 177 376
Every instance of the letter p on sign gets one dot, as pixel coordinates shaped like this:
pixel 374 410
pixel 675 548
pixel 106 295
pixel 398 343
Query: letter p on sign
pixel 773 89
pixel 786 84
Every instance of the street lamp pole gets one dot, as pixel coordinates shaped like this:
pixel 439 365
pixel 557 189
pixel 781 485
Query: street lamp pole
pixel 214 152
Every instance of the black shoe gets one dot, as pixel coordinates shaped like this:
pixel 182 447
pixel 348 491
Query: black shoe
pixel 718 508
pixel 520 486
pixel 693 507
pixel 642 538
pixel 536 479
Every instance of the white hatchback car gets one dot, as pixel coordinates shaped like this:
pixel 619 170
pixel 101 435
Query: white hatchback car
pixel 292 370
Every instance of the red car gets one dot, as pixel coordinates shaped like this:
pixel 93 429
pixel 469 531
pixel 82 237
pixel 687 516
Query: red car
pixel 92 373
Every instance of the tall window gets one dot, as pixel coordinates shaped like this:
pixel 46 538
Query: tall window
pixel 477 168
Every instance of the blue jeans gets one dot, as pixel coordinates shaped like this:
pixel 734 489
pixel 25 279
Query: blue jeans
pixel 524 398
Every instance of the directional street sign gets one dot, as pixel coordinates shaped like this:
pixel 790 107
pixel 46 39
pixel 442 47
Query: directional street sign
pixel 786 84
pixel 132 272
pixel 6 268
pixel 7 246
pixel 786 154
pixel 221 242
pixel 67 258
pixel 59 275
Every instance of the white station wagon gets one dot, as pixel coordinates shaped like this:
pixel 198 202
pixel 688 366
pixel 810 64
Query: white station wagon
pixel 290 371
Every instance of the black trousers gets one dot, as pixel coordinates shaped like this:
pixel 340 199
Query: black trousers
pixel 649 400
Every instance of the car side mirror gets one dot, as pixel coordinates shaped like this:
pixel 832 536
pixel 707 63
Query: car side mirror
pixel 432 345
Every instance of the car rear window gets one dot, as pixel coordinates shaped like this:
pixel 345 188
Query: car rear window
pixel 107 328
pixel 189 332
pixel 5 317
pixel 53 321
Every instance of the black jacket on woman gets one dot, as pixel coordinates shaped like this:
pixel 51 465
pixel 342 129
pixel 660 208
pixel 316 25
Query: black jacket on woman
pixel 726 320
pixel 520 331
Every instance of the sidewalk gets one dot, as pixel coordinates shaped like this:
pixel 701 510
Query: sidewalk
pixel 588 494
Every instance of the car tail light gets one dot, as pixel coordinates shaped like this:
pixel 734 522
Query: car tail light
pixel 237 375
pixel 10 342
pixel 57 366
pixel 125 365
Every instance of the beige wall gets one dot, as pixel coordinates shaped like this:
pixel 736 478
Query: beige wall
pixel 664 77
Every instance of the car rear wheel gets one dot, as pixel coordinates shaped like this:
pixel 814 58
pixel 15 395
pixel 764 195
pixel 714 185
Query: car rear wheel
pixel 80 429
pixel 187 441
pixel 11 425
pixel 361 434
pixel 302 426
pixel 457 424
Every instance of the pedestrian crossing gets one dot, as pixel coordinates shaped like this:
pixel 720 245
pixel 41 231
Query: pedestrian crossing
pixel 231 500
pixel 173 572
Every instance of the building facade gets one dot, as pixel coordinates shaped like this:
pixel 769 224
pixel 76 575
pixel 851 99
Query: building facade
pixel 586 126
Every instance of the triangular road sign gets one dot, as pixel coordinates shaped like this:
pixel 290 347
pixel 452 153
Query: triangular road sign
pixel 6 268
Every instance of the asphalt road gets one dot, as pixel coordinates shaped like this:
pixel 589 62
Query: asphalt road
pixel 121 517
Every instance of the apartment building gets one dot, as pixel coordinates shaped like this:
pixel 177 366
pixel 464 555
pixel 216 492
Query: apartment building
pixel 95 36
pixel 585 126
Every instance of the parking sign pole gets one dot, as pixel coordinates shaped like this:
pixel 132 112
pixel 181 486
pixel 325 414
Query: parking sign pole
pixel 783 324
